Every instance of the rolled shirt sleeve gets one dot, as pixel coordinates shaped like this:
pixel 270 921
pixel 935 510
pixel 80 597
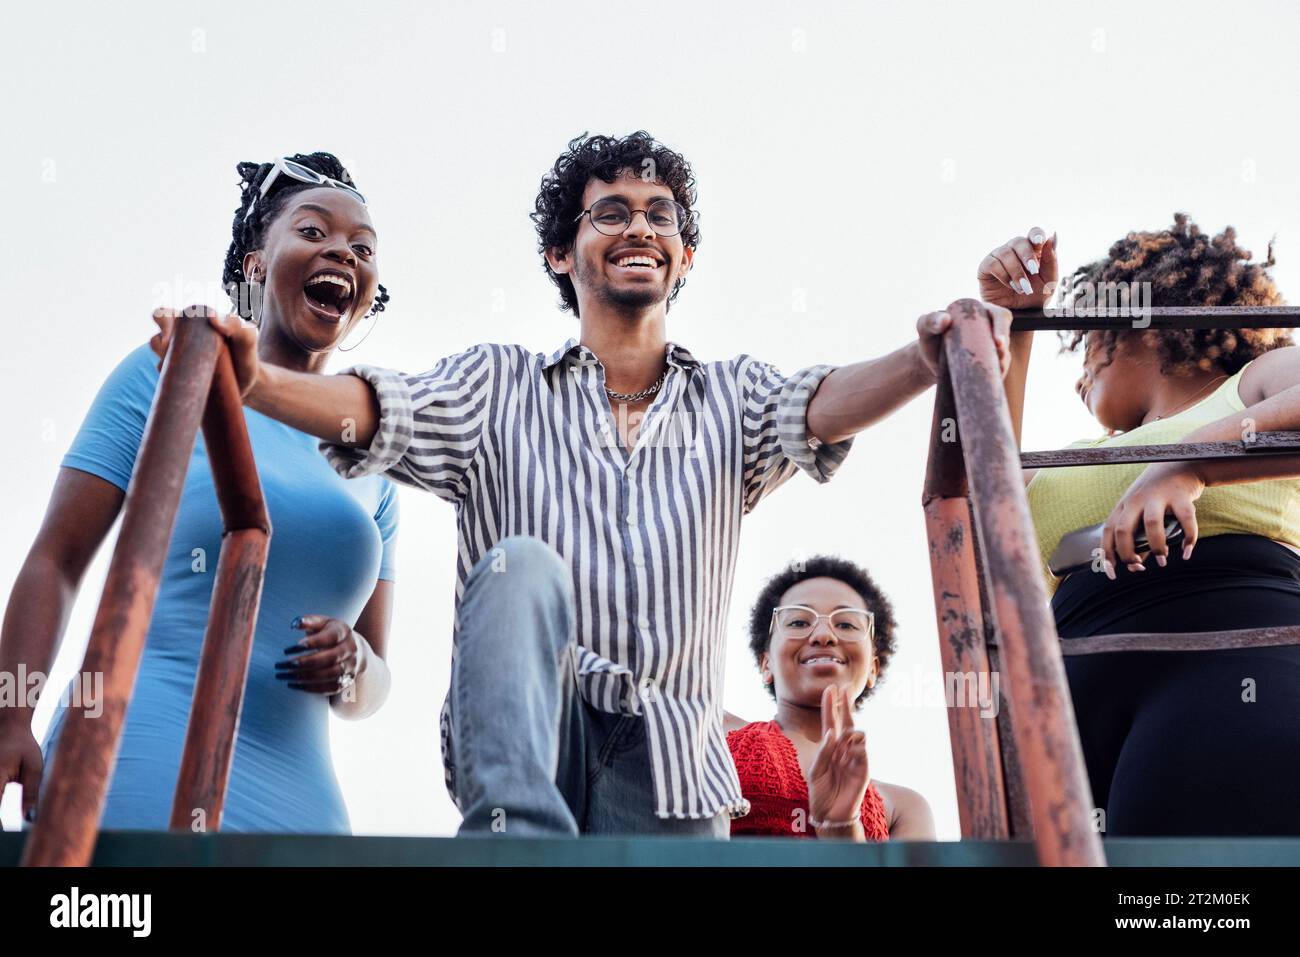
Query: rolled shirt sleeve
pixel 777 442
pixel 430 424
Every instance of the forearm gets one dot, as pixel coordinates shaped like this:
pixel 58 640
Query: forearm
pixel 1022 344
pixel 342 409
pixel 370 690
pixel 1281 412
pixel 854 397
pixel 34 622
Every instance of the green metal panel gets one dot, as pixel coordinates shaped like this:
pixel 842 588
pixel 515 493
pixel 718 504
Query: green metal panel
pixel 128 848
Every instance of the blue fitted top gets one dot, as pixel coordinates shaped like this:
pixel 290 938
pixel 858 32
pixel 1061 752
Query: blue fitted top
pixel 331 540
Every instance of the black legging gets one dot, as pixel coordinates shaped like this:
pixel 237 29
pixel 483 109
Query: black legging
pixel 1190 742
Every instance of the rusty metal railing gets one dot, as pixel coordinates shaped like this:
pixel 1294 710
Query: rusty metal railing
pixel 1022 774
pixel 198 384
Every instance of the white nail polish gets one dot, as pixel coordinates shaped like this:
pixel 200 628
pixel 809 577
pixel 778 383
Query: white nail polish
pixel 1027 289
pixel 1037 238
pixel 1032 266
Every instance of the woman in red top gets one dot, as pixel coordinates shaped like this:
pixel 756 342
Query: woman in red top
pixel 822 634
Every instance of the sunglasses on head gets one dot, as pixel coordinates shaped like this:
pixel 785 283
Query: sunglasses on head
pixel 303 174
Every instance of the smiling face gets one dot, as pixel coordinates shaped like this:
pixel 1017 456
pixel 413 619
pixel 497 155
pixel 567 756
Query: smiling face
pixel 632 271
pixel 1116 393
pixel 799 669
pixel 318 267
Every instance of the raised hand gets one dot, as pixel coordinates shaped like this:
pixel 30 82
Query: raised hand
pixel 837 783
pixel 1021 273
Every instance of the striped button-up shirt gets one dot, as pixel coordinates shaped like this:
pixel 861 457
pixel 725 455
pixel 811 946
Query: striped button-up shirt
pixel 526 444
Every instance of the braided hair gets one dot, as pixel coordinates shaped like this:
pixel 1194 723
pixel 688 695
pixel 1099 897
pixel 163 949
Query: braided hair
pixel 248 235
pixel 1187 267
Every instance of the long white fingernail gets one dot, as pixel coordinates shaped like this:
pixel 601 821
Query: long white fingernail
pixel 1025 287
pixel 1032 266
pixel 1037 238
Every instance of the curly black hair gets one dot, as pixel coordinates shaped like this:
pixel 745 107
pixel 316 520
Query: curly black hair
pixel 559 201
pixel 824 566
pixel 249 235
pixel 1186 267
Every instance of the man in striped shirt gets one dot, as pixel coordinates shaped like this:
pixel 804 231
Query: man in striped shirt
pixel 599 492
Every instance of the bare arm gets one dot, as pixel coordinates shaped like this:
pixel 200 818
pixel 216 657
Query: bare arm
pixel 373 678
pixel 732 722
pixel 857 396
pixel 1021 263
pixel 81 511
pixel 912 819
pixel 1022 344
pixel 1271 387
pixel 342 409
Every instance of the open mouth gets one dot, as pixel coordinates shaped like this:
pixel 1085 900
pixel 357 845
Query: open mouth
pixel 329 294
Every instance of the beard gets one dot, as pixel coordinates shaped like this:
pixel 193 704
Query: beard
pixel 630 300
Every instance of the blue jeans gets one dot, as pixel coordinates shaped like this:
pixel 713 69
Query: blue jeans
pixel 530 757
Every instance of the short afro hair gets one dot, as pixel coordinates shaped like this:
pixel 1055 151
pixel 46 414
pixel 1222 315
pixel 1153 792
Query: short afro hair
pixel 559 201
pixel 1186 267
pixel 824 566
pixel 248 235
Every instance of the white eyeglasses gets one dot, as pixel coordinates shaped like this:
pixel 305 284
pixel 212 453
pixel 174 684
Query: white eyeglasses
pixel 847 624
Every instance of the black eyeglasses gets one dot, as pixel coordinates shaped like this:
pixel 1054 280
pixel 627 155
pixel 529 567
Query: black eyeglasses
pixel 303 174
pixel 612 216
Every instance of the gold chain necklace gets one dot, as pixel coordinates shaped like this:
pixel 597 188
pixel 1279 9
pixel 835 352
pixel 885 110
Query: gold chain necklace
pixel 1190 401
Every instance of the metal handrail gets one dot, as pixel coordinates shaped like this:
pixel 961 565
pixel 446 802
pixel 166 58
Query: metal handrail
pixel 1026 766
pixel 197 384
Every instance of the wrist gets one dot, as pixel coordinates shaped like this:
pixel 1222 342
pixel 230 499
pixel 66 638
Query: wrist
pixel 837 829
pixel 262 387
pixel 17 716
pixel 923 373
pixel 364 651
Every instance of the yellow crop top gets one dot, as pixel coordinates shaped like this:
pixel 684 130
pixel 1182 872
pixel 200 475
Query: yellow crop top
pixel 1064 499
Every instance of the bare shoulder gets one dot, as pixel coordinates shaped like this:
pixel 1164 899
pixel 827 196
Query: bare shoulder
pixel 910 817
pixel 732 722
pixel 1273 372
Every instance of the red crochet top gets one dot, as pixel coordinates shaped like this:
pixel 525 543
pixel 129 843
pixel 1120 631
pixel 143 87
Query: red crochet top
pixel 774 785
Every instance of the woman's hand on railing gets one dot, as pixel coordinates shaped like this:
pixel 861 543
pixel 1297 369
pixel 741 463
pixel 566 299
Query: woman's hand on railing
pixel 331 656
pixel 837 782
pixel 21 761
pixel 1021 273
pixel 241 338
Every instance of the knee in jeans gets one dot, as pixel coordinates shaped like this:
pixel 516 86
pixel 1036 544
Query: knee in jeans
pixel 522 568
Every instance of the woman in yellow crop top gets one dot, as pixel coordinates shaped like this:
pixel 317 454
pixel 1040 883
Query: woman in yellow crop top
pixel 1176 742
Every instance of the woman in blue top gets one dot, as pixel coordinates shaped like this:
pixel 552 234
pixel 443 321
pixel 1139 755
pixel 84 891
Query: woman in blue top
pixel 303 255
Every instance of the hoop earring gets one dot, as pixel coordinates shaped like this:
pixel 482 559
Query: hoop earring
pixel 363 338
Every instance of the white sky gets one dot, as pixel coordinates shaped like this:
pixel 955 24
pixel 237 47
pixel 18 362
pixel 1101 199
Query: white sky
pixel 855 162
